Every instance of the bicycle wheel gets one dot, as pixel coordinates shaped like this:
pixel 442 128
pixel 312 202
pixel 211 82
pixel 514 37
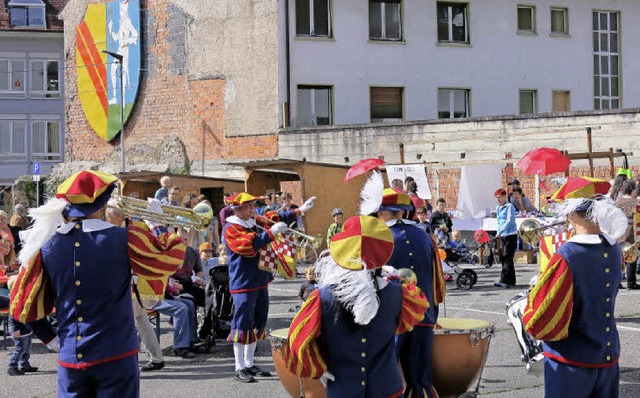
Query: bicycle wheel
pixel 306 255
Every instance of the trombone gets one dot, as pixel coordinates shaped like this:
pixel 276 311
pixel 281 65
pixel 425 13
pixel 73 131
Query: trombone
pixel 315 241
pixel 199 217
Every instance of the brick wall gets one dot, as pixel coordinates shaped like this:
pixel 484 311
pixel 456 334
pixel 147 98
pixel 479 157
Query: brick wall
pixel 168 101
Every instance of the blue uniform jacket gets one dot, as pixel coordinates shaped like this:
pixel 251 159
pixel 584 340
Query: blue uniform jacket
pixel 362 358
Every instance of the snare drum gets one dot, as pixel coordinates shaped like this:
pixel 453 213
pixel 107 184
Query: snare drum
pixel 460 347
pixel 311 388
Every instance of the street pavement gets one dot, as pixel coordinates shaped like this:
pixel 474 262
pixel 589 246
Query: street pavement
pixel 211 374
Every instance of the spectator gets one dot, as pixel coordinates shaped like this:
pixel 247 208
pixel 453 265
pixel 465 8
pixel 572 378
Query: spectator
pixel 163 192
pixel 7 255
pixel 338 223
pixel 172 199
pixel 616 187
pixel 423 220
pixel 21 335
pixel 521 202
pixel 396 185
pixel 5 231
pixel 507 233
pixel 207 260
pixel 627 202
pixel 287 202
pixel 19 217
pixel 441 224
pixel 226 211
pixel 416 201
pixel 189 274
pixel 309 285
pixel 189 201
pixel 407 180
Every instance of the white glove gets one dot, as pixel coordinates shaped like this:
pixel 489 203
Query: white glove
pixel 308 204
pixel 326 376
pixel 154 205
pixel 278 228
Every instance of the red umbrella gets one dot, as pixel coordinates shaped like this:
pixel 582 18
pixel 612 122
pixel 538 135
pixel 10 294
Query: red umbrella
pixel 362 167
pixel 543 161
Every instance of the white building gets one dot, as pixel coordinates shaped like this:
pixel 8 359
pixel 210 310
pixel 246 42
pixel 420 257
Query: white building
pixel 359 61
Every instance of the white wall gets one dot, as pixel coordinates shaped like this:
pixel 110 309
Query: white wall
pixel 496 65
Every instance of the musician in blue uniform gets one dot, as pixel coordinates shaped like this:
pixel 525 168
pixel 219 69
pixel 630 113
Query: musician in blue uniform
pixel 415 249
pixel 345 331
pixel 84 265
pixel 571 308
pixel 248 283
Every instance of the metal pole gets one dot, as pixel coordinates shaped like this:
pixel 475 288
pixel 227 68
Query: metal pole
pixel 37 194
pixel 122 166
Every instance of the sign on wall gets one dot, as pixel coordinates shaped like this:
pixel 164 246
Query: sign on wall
pixel 416 171
pixel 114 27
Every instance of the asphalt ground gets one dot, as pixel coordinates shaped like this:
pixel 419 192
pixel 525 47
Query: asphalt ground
pixel 211 374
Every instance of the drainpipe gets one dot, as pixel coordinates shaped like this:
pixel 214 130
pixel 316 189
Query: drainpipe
pixel 287 115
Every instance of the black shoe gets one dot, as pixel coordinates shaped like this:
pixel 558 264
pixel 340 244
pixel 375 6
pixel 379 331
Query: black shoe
pixel 198 348
pixel 184 353
pixel 14 372
pixel 243 376
pixel 633 286
pixel 151 366
pixel 29 369
pixel 256 371
pixel 621 287
pixel 500 284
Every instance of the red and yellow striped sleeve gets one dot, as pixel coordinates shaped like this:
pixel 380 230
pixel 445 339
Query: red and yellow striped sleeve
pixel 31 296
pixel 414 305
pixel 439 285
pixel 153 257
pixel 240 241
pixel 549 307
pixel 305 357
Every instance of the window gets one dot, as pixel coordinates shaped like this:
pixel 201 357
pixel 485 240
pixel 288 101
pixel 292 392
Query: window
pixel 526 19
pixel 560 21
pixel 561 101
pixel 45 82
pixel 528 101
pixel 606 60
pixel 452 23
pixel 27 13
pixel 45 140
pixel 453 103
pixel 385 20
pixel 386 104
pixel 12 77
pixel 314 106
pixel 313 18
pixel 12 139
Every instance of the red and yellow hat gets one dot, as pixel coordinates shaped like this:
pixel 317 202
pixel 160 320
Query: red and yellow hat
pixel 87 191
pixel 395 201
pixel 581 187
pixel 240 199
pixel 364 243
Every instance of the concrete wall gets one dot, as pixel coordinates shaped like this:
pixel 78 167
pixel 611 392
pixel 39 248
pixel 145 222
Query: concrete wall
pixel 495 66
pixel 28 46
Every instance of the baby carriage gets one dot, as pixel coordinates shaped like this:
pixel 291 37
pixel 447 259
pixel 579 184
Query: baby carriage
pixel 219 302
pixel 530 347
pixel 465 278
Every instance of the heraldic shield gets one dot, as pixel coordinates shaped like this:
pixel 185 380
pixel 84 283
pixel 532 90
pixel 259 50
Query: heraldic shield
pixel 113 27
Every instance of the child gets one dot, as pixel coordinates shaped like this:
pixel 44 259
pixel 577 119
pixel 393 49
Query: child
pixel 309 285
pixel 456 241
pixel 338 220
pixel 21 334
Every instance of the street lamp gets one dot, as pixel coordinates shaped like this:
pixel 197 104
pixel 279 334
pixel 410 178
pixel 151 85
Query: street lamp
pixel 119 58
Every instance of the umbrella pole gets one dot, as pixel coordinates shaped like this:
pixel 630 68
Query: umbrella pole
pixel 537 182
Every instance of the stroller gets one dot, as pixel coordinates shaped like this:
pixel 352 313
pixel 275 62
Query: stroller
pixel 465 277
pixel 218 303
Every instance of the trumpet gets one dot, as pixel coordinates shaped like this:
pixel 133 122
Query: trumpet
pixel 199 217
pixel 530 230
pixel 316 241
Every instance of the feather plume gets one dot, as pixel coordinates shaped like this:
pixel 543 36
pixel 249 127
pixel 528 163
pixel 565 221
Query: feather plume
pixel 371 194
pixel 601 211
pixel 46 219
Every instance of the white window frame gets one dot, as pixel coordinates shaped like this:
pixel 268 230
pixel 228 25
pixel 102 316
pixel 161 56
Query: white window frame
pixel 452 91
pixel 28 6
pixel 534 19
pixel 383 22
pixel 565 12
pixel 13 156
pixel 313 88
pixel 43 156
pixel 11 78
pixel 534 101
pixel 43 92
pixel 312 26
pixel 449 5
pixel 600 55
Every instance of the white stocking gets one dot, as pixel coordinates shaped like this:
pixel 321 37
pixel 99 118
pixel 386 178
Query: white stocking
pixel 249 351
pixel 238 353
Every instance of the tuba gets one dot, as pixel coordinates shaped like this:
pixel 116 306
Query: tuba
pixel 531 229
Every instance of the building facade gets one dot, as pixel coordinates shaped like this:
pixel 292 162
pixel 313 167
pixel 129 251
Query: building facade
pixel 31 87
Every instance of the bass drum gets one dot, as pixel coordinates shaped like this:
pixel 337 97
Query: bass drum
pixel 297 387
pixel 460 348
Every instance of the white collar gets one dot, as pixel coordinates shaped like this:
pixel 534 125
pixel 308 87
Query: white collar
pixel 391 223
pixel 250 223
pixel 591 239
pixel 90 225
